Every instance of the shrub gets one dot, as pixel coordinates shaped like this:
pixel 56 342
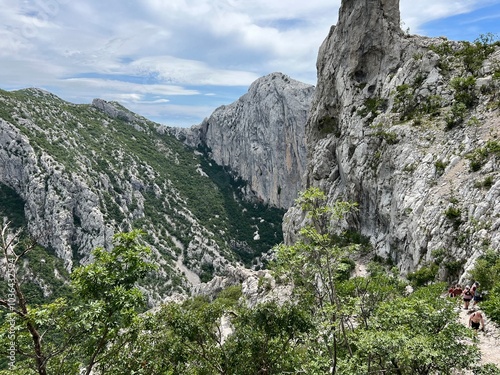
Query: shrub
pixel 329 125
pixel 456 115
pixel 424 275
pixel 465 90
pixel 440 166
pixel 474 54
pixel 478 157
pixel 454 215
pixel 373 106
pixel 404 101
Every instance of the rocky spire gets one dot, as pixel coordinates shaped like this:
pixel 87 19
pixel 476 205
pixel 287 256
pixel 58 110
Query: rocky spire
pixel 365 32
pixel 361 49
pixel 354 11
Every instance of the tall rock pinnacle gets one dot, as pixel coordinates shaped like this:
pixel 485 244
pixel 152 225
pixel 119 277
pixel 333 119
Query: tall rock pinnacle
pixel 358 52
pixel 365 32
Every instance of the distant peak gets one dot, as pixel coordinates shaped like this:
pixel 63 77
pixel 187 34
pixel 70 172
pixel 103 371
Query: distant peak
pixel 38 92
pixel 277 79
pixel 113 109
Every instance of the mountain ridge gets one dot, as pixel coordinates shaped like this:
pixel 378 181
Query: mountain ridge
pixel 260 138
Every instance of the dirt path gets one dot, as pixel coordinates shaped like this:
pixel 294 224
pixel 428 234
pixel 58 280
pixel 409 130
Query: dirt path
pixel 489 340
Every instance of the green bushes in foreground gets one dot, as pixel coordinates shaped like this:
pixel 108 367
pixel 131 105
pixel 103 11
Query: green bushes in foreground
pixel 329 324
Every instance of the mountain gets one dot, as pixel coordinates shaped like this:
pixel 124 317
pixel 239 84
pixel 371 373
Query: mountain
pixel 403 125
pixel 260 138
pixel 74 175
pixel 408 128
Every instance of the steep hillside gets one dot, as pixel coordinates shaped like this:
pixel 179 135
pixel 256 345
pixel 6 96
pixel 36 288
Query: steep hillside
pixel 408 127
pixel 260 138
pixel 77 174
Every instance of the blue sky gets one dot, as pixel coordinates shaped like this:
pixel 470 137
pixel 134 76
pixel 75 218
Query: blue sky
pixel 175 61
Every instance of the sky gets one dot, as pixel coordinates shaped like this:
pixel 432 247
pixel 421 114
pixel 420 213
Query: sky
pixel 176 61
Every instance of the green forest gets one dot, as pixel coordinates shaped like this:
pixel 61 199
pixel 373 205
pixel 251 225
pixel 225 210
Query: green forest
pixel 330 322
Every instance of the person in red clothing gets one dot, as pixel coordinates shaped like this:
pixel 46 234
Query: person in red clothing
pixel 457 291
pixel 450 291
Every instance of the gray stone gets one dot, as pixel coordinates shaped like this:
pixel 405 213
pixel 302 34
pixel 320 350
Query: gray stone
pixel 260 137
pixel 388 165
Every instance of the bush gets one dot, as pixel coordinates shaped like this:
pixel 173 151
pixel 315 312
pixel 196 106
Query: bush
pixel 479 156
pixel 424 275
pixel 491 306
pixel 440 166
pixel 486 271
pixel 454 214
pixel 465 90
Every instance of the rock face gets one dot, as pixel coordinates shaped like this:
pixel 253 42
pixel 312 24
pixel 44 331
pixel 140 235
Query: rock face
pixel 395 123
pixel 260 137
pixel 49 192
pixel 112 111
pixel 82 173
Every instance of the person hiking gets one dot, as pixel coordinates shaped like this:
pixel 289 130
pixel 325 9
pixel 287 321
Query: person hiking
pixel 475 294
pixel 467 297
pixel 457 291
pixel 476 320
pixel 450 291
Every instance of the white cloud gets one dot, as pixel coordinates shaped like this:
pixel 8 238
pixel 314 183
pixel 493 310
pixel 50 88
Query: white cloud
pixel 191 72
pixel 121 86
pixel 415 13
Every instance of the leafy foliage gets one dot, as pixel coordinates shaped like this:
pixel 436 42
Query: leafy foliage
pixel 244 216
pixel 334 324
pixel 88 329
pixel 413 335
pixel 472 55
pixel 12 206
pixel 478 157
pixel 486 271
pixel 424 275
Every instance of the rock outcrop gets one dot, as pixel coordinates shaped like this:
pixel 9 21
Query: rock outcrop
pixel 260 138
pixel 112 110
pixel 395 124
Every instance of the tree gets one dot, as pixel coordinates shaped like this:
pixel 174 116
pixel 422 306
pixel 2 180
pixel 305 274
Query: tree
pixel 367 324
pixel 313 265
pixel 414 334
pixel 179 338
pixel 269 339
pixel 108 299
pixel 487 272
pixel 88 329
pixel 16 302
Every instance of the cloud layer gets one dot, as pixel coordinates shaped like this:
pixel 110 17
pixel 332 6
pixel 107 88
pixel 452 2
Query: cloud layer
pixel 174 61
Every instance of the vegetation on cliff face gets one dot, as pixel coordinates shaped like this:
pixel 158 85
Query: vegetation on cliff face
pixel 415 140
pixel 74 175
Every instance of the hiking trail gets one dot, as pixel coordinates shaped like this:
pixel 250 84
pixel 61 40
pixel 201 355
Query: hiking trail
pixel 489 340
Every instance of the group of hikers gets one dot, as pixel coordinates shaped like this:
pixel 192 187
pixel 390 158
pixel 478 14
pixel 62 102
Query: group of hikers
pixel 468 294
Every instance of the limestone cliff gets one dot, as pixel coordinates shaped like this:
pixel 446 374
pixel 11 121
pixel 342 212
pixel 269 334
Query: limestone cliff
pixel 77 174
pixel 407 127
pixel 260 137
